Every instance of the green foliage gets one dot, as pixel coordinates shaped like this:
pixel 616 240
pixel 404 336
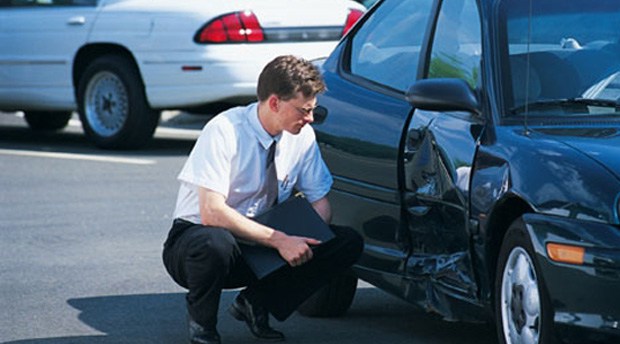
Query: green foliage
pixel 450 66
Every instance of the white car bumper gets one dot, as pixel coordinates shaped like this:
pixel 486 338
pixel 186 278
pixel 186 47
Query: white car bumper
pixel 214 72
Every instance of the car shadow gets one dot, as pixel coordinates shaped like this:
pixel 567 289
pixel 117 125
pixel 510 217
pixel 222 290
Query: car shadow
pixel 160 318
pixel 18 136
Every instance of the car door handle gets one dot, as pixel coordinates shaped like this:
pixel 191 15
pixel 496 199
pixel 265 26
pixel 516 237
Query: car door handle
pixel 77 20
pixel 413 141
pixel 414 136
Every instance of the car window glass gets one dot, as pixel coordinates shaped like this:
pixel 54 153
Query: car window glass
pixel 41 3
pixel 457 46
pixel 563 57
pixel 386 48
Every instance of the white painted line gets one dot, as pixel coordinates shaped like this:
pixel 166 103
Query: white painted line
pixel 187 133
pixel 364 285
pixel 75 156
pixel 190 133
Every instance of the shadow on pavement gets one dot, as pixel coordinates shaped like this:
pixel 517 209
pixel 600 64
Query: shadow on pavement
pixel 154 318
pixel 76 142
pixel 160 318
pixel 178 134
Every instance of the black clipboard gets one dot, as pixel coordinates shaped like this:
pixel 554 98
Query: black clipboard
pixel 295 216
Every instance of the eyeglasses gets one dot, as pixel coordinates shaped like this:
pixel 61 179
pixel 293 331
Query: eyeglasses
pixel 303 111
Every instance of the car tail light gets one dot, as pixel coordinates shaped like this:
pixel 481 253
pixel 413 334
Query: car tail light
pixel 352 18
pixel 237 27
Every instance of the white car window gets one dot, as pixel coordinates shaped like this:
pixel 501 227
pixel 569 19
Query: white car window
pixel 46 3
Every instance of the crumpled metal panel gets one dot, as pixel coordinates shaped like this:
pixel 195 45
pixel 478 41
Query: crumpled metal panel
pixel 437 169
pixel 442 278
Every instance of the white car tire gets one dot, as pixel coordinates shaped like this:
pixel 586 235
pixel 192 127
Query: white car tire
pixel 47 120
pixel 112 104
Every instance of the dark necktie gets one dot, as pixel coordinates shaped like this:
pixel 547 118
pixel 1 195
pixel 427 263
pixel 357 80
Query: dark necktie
pixel 271 177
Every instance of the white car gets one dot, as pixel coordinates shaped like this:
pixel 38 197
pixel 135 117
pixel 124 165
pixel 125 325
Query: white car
pixel 119 62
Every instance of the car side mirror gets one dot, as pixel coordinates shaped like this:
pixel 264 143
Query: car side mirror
pixel 443 94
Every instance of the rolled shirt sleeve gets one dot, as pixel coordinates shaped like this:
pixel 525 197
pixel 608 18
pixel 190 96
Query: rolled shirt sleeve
pixel 209 163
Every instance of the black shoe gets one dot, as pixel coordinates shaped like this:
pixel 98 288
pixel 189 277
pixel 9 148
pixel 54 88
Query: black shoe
pixel 257 319
pixel 200 335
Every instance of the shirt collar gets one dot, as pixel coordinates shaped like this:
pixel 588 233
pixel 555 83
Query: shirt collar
pixel 261 134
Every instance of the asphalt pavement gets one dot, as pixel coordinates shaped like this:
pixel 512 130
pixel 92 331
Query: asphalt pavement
pixel 81 231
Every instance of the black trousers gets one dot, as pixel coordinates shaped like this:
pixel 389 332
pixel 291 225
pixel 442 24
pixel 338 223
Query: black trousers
pixel 206 260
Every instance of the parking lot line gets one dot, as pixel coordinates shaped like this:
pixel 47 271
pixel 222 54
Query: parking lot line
pixel 76 156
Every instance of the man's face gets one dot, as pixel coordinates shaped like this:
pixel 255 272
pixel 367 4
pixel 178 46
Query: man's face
pixel 295 113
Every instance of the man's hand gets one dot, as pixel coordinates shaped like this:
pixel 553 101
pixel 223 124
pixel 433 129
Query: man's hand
pixel 295 250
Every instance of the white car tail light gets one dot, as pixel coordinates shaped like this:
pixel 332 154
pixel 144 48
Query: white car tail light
pixel 237 27
pixel 244 27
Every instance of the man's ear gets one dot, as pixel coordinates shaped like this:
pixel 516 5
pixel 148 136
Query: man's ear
pixel 274 103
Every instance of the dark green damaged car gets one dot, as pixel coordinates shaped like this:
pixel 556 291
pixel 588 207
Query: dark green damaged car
pixel 476 147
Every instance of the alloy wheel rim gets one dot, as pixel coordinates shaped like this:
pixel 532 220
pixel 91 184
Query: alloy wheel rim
pixel 106 104
pixel 520 300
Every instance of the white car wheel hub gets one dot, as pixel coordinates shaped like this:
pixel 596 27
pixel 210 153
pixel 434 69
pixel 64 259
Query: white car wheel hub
pixel 521 315
pixel 106 104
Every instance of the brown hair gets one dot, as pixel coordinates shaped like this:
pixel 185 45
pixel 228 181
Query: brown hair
pixel 287 75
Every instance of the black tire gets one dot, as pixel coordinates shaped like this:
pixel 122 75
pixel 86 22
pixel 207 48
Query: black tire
pixel 332 300
pixel 47 120
pixel 522 306
pixel 112 104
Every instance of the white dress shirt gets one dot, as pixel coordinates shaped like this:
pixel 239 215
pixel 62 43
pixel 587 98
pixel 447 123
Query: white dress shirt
pixel 229 157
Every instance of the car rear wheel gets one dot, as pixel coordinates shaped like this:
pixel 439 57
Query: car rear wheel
pixel 332 300
pixel 522 307
pixel 112 104
pixel 47 120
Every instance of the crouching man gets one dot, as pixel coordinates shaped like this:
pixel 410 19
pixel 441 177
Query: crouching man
pixel 245 161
